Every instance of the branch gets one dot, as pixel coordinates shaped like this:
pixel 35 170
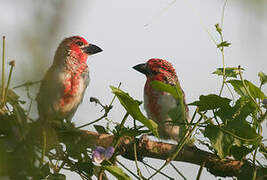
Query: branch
pixel 191 154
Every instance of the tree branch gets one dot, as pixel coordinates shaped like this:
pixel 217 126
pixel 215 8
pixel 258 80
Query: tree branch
pixel 191 154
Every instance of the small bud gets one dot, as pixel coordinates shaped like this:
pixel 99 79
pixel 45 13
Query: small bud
pixel 218 28
pixel 93 99
pixel 12 63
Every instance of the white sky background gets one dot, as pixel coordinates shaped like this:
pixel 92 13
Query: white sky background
pixel 118 26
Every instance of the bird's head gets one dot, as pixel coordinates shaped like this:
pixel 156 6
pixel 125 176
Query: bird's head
pixel 76 47
pixel 158 69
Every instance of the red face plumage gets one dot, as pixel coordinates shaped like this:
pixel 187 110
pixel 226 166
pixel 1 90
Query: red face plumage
pixel 76 44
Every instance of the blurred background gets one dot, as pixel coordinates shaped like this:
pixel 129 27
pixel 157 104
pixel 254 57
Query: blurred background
pixel 131 32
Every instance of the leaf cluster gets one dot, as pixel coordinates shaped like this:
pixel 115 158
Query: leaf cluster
pixel 234 128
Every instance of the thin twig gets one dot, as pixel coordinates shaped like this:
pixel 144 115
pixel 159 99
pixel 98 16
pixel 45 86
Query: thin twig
pixel 201 22
pixel 44 145
pixel 30 83
pixel 12 64
pixel 200 170
pixel 222 17
pixel 145 164
pixel 177 170
pixel 135 156
pixel 122 165
pixel 3 72
pixel 254 163
pixel 247 90
pixel 106 108
pixel 179 147
pixel 115 142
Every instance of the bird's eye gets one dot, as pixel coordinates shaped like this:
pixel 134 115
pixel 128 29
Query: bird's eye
pixel 79 43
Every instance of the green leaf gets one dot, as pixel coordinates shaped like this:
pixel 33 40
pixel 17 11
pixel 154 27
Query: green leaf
pixel 176 92
pixel 177 115
pixel 85 166
pixel 45 170
pixel 229 71
pixel 240 89
pixel 132 107
pixel 211 101
pixel 223 44
pixel 263 78
pixel 243 131
pixel 220 141
pixel 225 113
pixel 240 152
pixel 241 110
pixel 13 99
pixel 57 177
pixel 117 172
pixel 243 107
pixel 132 132
pixel 100 129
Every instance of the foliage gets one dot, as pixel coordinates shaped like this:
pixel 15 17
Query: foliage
pixel 31 149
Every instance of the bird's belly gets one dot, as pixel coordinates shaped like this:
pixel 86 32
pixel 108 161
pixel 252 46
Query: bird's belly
pixel 166 102
pixel 158 110
pixel 73 97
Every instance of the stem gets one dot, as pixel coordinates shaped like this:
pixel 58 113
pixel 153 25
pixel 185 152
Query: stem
pixel 30 83
pixel 135 155
pixel 8 81
pixel 145 164
pixel 215 117
pixel 160 13
pixel 247 90
pixel 105 115
pixel 3 72
pixel 115 142
pixel 254 159
pixel 179 147
pixel 200 170
pixel 230 92
pixel 44 145
pixel 193 117
pixel 122 165
pixel 114 95
pixel 222 48
pixel 224 77
pixel 201 22
pixel 178 171
pixel 222 17
pixel 106 108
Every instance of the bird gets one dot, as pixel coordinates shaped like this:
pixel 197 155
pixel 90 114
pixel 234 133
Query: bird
pixel 63 86
pixel 157 104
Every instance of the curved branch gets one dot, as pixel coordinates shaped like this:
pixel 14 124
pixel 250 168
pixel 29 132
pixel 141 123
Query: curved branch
pixel 191 154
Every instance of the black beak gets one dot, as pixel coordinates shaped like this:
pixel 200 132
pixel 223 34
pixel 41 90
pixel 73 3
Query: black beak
pixel 141 68
pixel 91 49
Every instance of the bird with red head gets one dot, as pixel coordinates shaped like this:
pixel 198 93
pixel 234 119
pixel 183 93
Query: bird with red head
pixel 63 86
pixel 157 103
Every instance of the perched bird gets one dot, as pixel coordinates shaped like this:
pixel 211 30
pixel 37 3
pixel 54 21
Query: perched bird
pixel 64 84
pixel 158 103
